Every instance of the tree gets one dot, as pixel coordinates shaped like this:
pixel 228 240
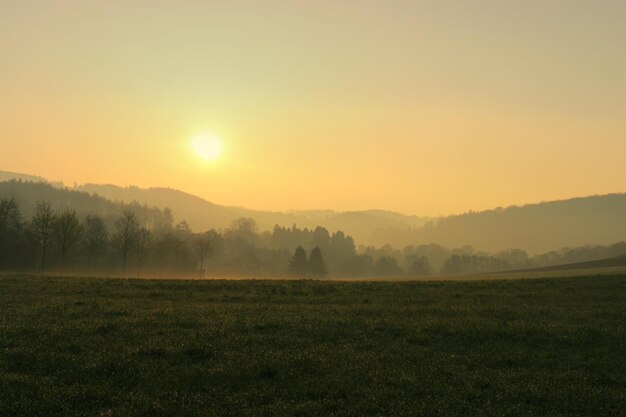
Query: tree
pixel 298 264
pixel 419 265
pixel 183 228
pixel 67 232
pixel 203 247
pixel 11 233
pixel 126 234
pixel 94 237
pixel 42 225
pixel 321 238
pixel 340 249
pixel 386 266
pixel 9 218
pixel 144 236
pixel 173 253
pixel 316 263
pixel 244 225
pixel 243 228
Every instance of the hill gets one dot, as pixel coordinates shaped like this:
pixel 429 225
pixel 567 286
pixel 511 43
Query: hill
pixel 7 176
pixel 28 193
pixel 534 227
pixel 202 214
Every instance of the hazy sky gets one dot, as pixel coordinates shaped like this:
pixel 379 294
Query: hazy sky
pixel 426 107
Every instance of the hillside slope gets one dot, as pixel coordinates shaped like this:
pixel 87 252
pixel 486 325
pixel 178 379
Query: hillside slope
pixel 27 194
pixel 534 227
pixel 202 214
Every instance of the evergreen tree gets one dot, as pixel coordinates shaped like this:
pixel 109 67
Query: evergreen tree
pixel 317 267
pixel 298 264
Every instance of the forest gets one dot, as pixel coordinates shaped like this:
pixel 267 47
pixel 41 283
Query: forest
pixel 48 229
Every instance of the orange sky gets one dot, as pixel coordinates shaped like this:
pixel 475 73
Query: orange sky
pixel 424 107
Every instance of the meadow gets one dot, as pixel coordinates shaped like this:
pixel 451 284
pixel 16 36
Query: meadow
pixel 124 347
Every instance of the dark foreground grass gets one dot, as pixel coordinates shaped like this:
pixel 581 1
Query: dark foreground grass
pixel 112 347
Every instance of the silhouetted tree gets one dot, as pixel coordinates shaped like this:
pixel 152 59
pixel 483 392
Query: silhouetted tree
pixel 244 224
pixel 340 249
pixel 203 248
pixel 387 266
pixel 126 234
pixel 67 232
pixel 316 263
pixel 144 236
pixel 172 253
pixel 321 239
pixel 298 264
pixel 243 228
pixel 165 222
pixel 11 233
pixel 418 265
pixel 42 225
pixel 94 237
pixel 183 227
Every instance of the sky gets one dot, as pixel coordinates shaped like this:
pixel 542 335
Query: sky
pixel 422 107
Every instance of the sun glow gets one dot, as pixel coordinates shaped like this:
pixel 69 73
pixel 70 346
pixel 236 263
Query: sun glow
pixel 207 147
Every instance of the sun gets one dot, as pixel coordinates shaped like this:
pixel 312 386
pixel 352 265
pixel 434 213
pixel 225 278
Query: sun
pixel 207 146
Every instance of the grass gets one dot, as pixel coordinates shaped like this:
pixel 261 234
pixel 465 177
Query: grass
pixel 115 347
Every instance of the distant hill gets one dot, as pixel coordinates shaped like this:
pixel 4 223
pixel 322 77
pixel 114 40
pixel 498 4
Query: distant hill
pixel 534 227
pixel 27 194
pixel 202 214
pixel 199 213
pixel 6 176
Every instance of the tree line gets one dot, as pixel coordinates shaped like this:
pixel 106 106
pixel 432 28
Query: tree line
pixel 140 240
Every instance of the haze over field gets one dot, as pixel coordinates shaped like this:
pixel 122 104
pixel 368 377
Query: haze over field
pixel 536 227
pixel 484 129
pixel 203 238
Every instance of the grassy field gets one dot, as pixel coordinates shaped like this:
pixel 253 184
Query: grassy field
pixel 115 347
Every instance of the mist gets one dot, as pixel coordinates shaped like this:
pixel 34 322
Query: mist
pixel 126 236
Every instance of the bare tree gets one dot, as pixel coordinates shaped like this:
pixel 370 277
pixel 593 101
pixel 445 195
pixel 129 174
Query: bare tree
pixel 42 225
pixel 11 230
pixel 95 237
pixel 203 247
pixel 67 232
pixel 144 236
pixel 126 234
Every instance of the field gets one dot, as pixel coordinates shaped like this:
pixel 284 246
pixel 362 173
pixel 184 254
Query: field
pixel 116 347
